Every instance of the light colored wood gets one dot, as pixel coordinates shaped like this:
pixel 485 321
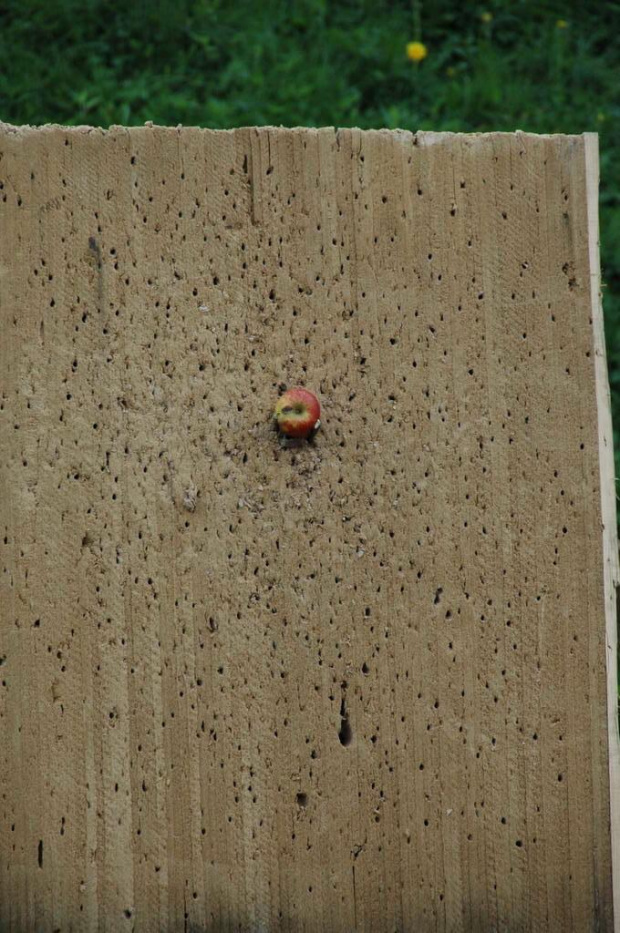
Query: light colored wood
pixel 192 615
pixel 608 506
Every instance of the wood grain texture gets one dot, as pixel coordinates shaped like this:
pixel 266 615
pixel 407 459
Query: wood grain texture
pixel 359 685
pixel 611 569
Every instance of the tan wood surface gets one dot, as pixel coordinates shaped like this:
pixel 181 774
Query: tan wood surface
pixel 365 684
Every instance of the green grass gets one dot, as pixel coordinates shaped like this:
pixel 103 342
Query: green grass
pixel 313 63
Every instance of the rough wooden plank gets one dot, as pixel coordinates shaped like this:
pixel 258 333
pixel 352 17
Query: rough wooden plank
pixel 608 505
pixel 190 613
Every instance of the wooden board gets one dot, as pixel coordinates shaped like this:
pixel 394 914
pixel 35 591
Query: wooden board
pixel 366 684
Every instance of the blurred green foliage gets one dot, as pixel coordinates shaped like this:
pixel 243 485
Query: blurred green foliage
pixel 545 67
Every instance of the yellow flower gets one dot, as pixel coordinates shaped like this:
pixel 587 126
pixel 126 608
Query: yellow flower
pixel 416 51
pixel 561 24
pixel 486 17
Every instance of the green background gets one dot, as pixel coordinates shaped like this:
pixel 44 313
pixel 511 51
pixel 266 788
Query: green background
pixel 537 67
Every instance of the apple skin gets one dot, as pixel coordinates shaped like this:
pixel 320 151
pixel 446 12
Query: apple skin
pixel 297 413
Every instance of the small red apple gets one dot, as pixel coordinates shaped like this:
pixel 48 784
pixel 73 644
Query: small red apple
pixel 297 413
